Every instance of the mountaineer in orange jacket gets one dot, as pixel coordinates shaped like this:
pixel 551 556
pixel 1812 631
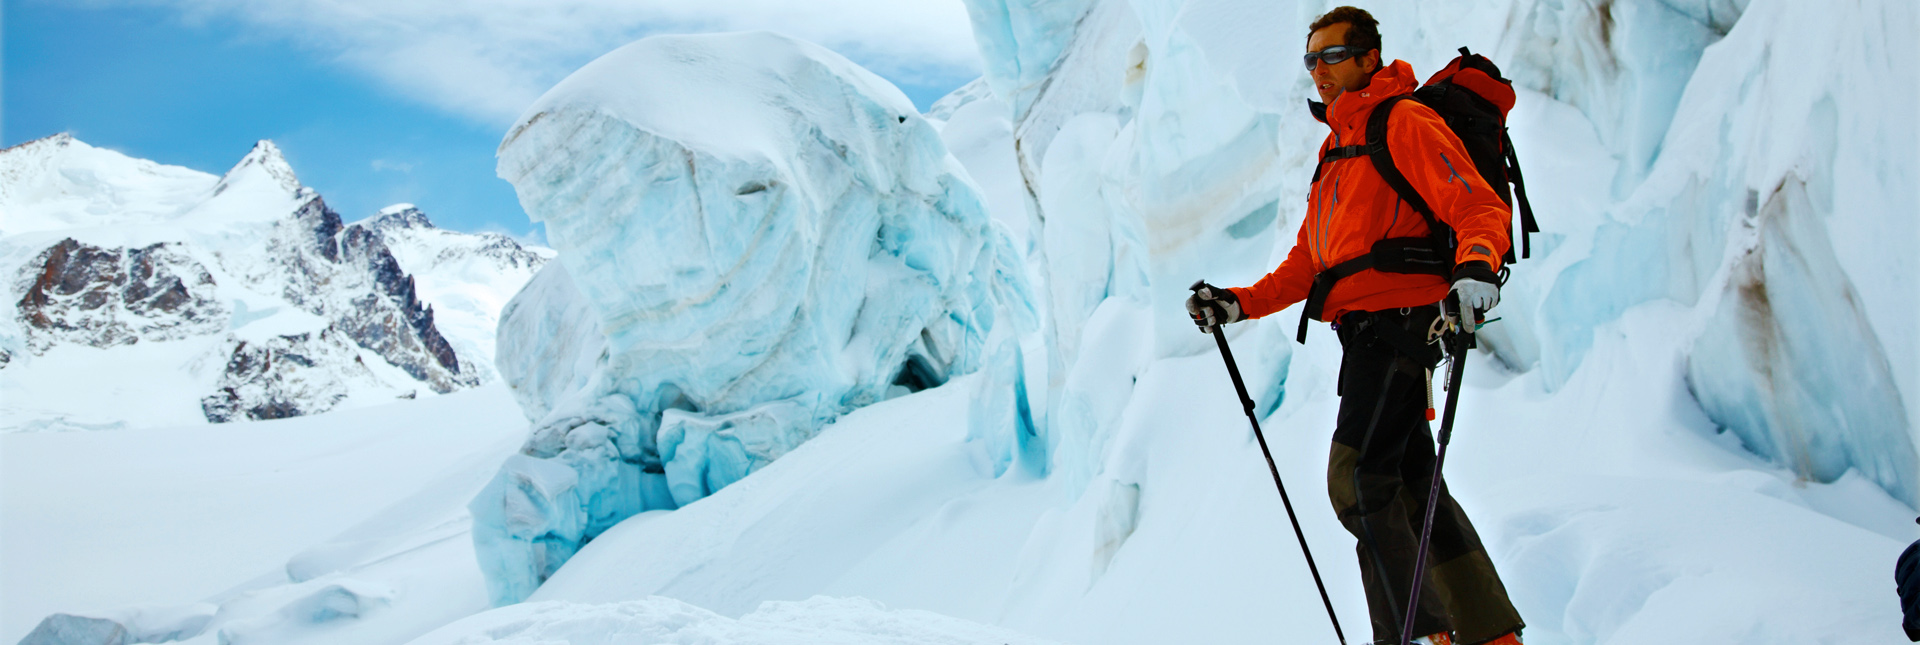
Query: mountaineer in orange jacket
pixel 1381 465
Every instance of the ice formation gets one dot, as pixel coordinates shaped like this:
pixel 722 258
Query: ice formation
pixel 1159 132
pixel 755 236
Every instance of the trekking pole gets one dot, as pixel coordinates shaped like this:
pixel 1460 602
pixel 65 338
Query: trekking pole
pixel 1246 403
pixel 1457 347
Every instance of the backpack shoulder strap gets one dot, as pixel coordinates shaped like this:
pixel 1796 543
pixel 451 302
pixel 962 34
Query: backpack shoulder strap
pixel 1382 156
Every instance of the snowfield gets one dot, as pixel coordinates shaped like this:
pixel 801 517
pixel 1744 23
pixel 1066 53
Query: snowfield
pixel 1694 423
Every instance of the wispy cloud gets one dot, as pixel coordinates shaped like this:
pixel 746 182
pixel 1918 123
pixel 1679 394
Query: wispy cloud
pixel 383 165
pixel 488 59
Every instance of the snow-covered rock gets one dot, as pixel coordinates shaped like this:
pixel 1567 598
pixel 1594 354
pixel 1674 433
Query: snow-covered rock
pixel 765 236
pixel 87 295
pixel 467 277
pixel 154 295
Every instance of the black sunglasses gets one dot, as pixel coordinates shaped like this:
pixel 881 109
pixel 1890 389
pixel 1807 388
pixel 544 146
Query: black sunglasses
pixel 1332 55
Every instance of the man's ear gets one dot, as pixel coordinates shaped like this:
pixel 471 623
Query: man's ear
pixel 1374 56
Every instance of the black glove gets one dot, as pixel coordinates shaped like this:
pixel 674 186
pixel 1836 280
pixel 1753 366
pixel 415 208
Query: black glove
pixel 1906 576
pixel 1210 305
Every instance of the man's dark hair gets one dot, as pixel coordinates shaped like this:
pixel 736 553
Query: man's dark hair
pixel 1365 33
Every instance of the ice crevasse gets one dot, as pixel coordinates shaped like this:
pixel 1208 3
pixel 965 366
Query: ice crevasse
pixel 755 235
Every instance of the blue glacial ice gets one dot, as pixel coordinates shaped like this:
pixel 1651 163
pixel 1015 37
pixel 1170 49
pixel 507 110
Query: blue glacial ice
pixel 755 236
pixel 1157 137
pixel 1765 208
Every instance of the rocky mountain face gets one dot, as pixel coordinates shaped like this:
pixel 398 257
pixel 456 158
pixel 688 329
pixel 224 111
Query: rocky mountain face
pixel 244 296
pixel 467 276
pixel 100 297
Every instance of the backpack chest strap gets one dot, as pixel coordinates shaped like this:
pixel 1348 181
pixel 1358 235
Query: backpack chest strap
pixel 1336 154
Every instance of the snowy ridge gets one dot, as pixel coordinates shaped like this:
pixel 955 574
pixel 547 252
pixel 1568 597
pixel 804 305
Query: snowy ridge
pixel 151 295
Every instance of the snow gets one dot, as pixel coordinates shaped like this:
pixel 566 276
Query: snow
pixel 1693 424
pixel 765 236
pixel 59 183
pixel 665 620
pixel 1634 525
pixel 238 516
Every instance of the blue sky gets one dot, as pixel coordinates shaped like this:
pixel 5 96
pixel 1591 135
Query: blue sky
pixel 192 85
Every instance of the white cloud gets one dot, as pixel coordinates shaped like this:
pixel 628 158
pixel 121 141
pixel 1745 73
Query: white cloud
pixel 383 165
pixel 489 59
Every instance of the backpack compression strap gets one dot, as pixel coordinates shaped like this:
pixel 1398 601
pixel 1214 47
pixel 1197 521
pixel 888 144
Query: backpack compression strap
pixel 1527 223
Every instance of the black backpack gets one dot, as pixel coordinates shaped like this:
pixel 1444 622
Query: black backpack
pixel 1473 98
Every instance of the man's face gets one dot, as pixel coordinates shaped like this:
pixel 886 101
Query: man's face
pixel 1344 76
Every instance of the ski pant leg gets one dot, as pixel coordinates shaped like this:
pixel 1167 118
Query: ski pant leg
pixel 1459 573
pixel 1369 493
pixel 1378 477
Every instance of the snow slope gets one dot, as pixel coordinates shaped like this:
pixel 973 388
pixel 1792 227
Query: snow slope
pixel 1636 526
pixel 237 515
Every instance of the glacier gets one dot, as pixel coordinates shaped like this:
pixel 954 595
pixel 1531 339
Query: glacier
pixel 755 236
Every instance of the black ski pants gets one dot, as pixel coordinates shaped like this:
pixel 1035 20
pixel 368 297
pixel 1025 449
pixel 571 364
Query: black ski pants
pixel 1379 475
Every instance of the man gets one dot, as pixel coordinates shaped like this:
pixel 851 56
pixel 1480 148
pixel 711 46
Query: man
pixel 1381 466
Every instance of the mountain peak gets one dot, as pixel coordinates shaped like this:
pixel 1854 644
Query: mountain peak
pixel 264 159
pixel 51 142
pixel 400 216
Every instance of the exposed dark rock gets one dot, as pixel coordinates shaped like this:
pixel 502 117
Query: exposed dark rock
pixel 391 320
pixel 284 376
pixel 85 294
pixel 401 219
pixel 348 275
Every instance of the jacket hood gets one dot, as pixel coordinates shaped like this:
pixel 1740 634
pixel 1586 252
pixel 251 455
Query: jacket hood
pixel 1353 107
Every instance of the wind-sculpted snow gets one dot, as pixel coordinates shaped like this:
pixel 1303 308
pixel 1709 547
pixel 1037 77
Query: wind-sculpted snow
pixel 760 236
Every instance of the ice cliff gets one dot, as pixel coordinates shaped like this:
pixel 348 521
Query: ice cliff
pixel 755 236
pixel 1770 207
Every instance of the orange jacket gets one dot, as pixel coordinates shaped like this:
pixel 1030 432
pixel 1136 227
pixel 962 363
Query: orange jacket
pixel 1351 207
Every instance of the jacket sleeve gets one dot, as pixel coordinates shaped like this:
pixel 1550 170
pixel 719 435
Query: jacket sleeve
pixel 1437 165
pixel 1286 285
